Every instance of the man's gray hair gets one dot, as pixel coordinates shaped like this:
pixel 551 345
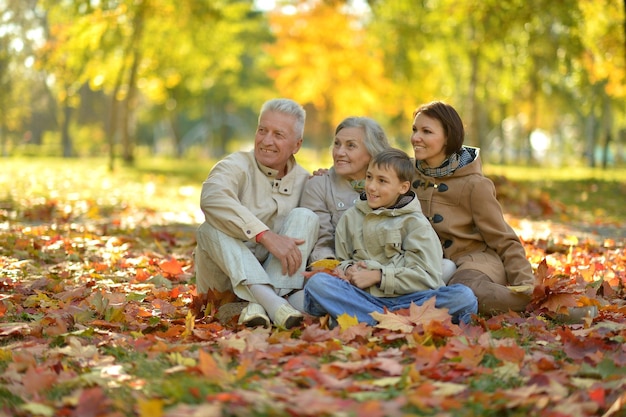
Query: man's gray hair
pixel 290 107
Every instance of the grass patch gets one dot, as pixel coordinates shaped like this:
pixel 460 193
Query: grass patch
pixel 163 184
pixel 587 194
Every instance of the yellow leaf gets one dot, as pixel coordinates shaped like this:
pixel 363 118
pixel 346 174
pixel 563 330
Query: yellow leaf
pixel 329 264
pixel 571 240
pixel 150 407
pixel 346 321
pixel 189 324
pixel 527 289
pixel 389 381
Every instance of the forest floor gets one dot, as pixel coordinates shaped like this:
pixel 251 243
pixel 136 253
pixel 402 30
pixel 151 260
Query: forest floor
pixel 99 317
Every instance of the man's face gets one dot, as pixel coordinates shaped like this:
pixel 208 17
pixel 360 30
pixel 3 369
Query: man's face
pixel 276 140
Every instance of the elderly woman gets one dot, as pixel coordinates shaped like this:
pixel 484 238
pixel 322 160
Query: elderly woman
pixel 357 140
pixel 462 207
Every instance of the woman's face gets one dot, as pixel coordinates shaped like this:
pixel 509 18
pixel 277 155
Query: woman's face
pixel 428 140
pixel 350 156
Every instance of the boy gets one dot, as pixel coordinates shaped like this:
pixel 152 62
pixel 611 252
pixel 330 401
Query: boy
pixel 390 255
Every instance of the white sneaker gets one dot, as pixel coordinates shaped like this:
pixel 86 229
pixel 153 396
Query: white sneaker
pixel 287 316
pixel 254 315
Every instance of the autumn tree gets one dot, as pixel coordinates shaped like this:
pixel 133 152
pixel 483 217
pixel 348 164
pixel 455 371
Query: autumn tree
pixel 325 59
pixel 498 61
pixel 19 83
pixel 164 54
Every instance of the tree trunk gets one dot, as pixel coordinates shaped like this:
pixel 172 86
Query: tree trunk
pixel 66 139
pixel 111 129
pixel 128 132
pixel 590 131
pixel 128 142
pixel 607 127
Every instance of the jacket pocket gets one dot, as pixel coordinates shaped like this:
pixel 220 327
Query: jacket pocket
pixel 392 243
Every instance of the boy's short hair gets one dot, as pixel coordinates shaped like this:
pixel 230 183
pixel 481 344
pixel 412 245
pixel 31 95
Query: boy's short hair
pixel 397 160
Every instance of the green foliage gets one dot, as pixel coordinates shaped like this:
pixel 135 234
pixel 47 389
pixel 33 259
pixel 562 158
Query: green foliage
pixel 106 76
pixel 8 399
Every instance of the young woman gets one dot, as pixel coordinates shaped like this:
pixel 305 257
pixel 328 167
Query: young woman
pixel 461 204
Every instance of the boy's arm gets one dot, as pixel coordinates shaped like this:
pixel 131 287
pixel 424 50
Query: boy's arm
pixel 418 267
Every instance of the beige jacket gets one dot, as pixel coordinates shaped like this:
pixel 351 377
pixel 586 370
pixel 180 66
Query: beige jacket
pixel 243 198
pixel 468 218
pixel 328 196
pixel 400 242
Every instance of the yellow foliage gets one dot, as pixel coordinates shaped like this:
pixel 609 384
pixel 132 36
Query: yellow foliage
pixel 325 57
pixel 346 321
pixel 152 407
pixel 324 264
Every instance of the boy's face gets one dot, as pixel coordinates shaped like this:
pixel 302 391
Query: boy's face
pixel 382 186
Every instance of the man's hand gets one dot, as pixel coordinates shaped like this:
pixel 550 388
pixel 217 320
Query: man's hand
pixel 361 277
pixel 320 172
pixel 285 249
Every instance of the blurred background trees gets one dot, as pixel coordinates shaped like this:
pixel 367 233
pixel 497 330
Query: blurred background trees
pixel 536 82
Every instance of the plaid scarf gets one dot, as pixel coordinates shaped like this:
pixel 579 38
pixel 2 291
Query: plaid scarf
pixel 358 185
pixel 452 163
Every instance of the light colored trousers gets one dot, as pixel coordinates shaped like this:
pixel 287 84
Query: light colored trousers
pixel 224 263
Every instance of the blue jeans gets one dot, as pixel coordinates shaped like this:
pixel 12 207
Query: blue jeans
pixel 326 294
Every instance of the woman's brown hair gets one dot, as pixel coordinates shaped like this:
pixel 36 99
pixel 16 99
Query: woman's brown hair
pixel 449 119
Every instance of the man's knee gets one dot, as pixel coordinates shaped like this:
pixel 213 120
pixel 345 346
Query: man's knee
pixel 303 220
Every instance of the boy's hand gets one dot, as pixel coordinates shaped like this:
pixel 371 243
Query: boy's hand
pixel 361 277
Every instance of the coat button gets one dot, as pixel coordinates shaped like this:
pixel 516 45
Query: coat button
pixel 437 218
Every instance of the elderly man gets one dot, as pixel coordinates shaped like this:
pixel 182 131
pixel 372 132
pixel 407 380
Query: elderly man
pixel 255 240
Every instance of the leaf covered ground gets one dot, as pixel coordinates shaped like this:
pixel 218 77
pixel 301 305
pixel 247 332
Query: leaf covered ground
pixel 98 317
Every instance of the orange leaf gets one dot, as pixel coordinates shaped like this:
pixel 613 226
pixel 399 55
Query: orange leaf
pixel 36 380
pixel 211 369
pixel 142 275
pixel 598 395
pixel 172 267
pixel 513 353
pixel 559 302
